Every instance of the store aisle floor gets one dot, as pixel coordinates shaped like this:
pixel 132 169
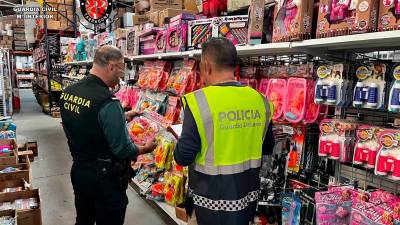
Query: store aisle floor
pixel 50 171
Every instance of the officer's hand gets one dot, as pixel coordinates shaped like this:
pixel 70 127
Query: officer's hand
pixel 130 114
pixel 148 147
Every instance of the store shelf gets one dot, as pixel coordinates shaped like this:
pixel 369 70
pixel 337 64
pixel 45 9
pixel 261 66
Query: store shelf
pixel 72 77
pixel 24 78
pixel 22 52
pixel 79 62
pixel 358 42
pixel 169 210
pixel 25 71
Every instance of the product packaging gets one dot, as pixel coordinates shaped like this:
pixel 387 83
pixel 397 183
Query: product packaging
pixel 291 207
pixel 367 144
pixel 161 41
pixel 177 38
pixel 234 28
pixel 369 91
pixel 330 84
pixel 199 31
pixel 394 96
pixel 294 108
pixel 388 158
pixel 256 20
pixel 293 20
pixel 389 15
pixel 333 207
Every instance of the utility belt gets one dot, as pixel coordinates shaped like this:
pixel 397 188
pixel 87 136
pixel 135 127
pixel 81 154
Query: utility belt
pixel 110 169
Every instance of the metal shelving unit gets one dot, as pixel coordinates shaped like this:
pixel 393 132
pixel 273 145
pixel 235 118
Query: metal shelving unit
pixel 6 91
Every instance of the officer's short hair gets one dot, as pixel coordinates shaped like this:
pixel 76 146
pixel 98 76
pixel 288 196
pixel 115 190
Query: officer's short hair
pixel 106 54
pixel 221 51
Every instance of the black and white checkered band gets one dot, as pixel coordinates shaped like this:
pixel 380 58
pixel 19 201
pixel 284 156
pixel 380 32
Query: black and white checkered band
pixel 224 205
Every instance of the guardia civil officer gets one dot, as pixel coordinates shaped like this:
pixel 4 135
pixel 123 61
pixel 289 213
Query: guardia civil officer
pixel 94 124
pixel 226 130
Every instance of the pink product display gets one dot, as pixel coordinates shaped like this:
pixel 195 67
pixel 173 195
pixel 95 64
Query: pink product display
pixel 177 38
pixel 147 45
pixel 295 101
pixel 160 42
pixel 249 82
pixel 313 109
pixel 128 96
pixel 263 86
pixel 366 148
pixel 142 130
pixel 276 93
pixel 333 208
pixel 388 158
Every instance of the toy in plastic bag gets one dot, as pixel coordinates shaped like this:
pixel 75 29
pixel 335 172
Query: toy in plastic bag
pixel 174 189
pixel 142 129
pixel 163 152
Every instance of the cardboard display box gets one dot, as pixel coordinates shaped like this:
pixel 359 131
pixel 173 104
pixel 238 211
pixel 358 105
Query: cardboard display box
pixel 295 27
pixel 388 18
pixel 25 217
pixel 190 5
pixel 23 173
pixel 361 17
pixel 13 184
pixel 164 4
pixel 19 37
pixel 154 17
pixel 171 13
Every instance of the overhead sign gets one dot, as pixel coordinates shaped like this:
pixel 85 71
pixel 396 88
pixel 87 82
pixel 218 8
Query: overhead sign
pixel 96 11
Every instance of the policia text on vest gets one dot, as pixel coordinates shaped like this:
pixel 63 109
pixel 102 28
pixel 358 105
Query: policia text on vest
pixel 73 103
pixel 239 119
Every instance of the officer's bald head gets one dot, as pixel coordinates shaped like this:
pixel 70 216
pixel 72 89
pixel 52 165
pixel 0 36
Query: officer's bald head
pixel 106 54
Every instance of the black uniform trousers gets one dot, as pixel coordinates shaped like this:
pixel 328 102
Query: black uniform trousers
pixel 99 198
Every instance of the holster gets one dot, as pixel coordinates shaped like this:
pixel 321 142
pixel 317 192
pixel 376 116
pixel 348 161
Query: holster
pixel 117 168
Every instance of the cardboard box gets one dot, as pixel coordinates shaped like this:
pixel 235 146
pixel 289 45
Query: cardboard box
pixel 23 173
pixel 53 25
pixel 171 13
pixel 9 158
pixel 12 184
pixel 164 4
pixel 25 217
pixel 181 214
pixel 359 18
pixel 256 22
pixel 190 5
pixel 120 33
pixel 20 43
pixel 132 40
pixel 296 27
pixel 12 213
pixel 234 5
pixel 388 20
pixel 19 37
pixel 154 17
pixel 139 19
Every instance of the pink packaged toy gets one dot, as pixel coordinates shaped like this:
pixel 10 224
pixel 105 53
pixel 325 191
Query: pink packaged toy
pixel 161 41
pixel 177 38
pixel 334 207
pixel 295 101
pixel 276 93
pixel 367 145
pixel 263 86
pixel 333 141
pixel 313 109
pixel 388 158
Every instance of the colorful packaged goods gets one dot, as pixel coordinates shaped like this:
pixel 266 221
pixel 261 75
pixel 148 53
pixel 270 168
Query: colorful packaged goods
pixel 141 130
pixel 199 31
pixel 233 28
pixel 163 152
pixel 389 15
pixel 185 78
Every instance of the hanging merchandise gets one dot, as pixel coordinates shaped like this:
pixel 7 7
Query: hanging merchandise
pixel 394 96
pixel 328 89
pixel 263 86
pixel 370 88
pixel 163 152
pixel 296 149
pixel 343 17
pixel 173 109
pixel 291 206
pixel 293 20
pixel 233 28
pixel 313 109
pixel 150 101
pixel 294 107
pixel 388 158
pixel 184 81
pixel 335 140
pixel 366 147
pixel 154 75
pixel 199 31
pixel 333 207
pixel 389 15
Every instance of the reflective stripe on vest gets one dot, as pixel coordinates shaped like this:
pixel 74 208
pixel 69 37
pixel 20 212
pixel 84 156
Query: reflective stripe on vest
pixel 225 205
pixel 209 167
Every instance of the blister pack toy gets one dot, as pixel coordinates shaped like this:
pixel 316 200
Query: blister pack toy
pixel 173 109
pixel 263 86
pixel 177 38
pixel 181 80
pixel 150 101
pixel 199 31
pixel 342 17
pixel 291 207
pixel 367 145
pixel 394 96
pixel 161 41
pixel 276 94
pixel 369 91
pixel 233 28
pixel 333 207
pixel 389 15
pixel 335 141
pixel 296 149
pixel 328 89
pixel 163 152
pixel 294 107
pixel 141 129
pixel 388 158
pixel 293 20
pixel 174 188
pixel 313 109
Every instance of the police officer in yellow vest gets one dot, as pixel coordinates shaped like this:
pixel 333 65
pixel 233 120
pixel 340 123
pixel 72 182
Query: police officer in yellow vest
pixel 226 130
pixel 94 124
